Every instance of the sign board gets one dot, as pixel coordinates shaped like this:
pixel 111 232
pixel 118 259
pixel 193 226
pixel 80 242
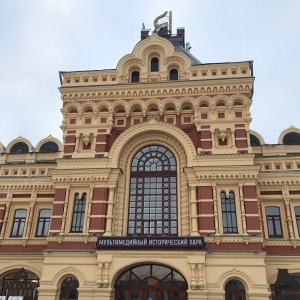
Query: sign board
pixel 148 242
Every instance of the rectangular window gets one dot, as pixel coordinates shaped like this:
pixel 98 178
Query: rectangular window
pixel 43 223
pixel 78 213
pixel 297 215
pixel 274 222
pixel 19 223
pixel 228 213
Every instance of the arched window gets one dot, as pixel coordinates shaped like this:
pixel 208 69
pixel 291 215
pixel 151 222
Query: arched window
pixel 19 148
pixel 254 141
pixel 291 138
pixel 228 213
pixel 153 193
pixel 19 223
pixel 274 222
pixel 43 223
pixel 49 147
pixel 154 64
pixel 68 289
pixel 135 76
pixel 19 283
pixel 173 74
pixel 151 282
pixel 234 290
pixel 78 213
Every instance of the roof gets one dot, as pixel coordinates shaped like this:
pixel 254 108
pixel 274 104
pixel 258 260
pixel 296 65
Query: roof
pixel 194 60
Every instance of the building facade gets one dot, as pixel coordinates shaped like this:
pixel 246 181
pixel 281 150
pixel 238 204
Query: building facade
pixel 159 191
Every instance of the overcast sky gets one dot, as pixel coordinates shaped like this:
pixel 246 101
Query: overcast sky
pixel 39 38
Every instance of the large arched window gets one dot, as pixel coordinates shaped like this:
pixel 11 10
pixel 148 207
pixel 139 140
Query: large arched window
pixel 228 213
pixel 234 290
pixel 21 283
pixel 151 282
pixel 154 64
pixel 68 289
pixel 153 193
pixel 78 213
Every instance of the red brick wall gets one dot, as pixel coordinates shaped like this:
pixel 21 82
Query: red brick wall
pixel 251 208
pixel 57 210
pixel 205 207
pixel 99 209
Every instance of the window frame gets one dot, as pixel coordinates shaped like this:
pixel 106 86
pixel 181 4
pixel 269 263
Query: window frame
pixel 134 75
pixel 170 75
pixel 297 219
pixel 78 213
pixel 45 222
pixel 154 65
pixel 18 221
pixel 173 203
pixel 275 219
pixel 67 288
pixel 237 291
pixel 230 212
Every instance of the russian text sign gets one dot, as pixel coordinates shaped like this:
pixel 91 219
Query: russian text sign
pixel 195 243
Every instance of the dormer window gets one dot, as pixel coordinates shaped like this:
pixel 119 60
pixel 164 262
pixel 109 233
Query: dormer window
pixel 154 64
pixel 173 74
pixel 135 76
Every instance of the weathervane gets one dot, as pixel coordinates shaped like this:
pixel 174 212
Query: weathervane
pixel 162 21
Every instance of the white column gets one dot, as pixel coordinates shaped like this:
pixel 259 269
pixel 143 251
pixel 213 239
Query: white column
pixel 193 208
pixel 64 217
pixel 242 207
pixel 216 213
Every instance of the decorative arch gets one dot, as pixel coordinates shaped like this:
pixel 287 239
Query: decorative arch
pixel 286 131
pixel 103 106
pixel 62 274
pixel 139 130
pixel 204 102
pixel 19 282
pixel 137 137
pixel 26 266
pixel 153 276
pixel 258 136
pixel 88 107
pixel 186 101
pixel 22 141
pixel 119 104
pixel 238 275
pixel 71 106
pixel 239 98
pixel 221 103
pixel 148 48
pixel 49 139
pixel 135 105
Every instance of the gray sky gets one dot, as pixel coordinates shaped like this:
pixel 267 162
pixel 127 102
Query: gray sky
pixel 40 38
